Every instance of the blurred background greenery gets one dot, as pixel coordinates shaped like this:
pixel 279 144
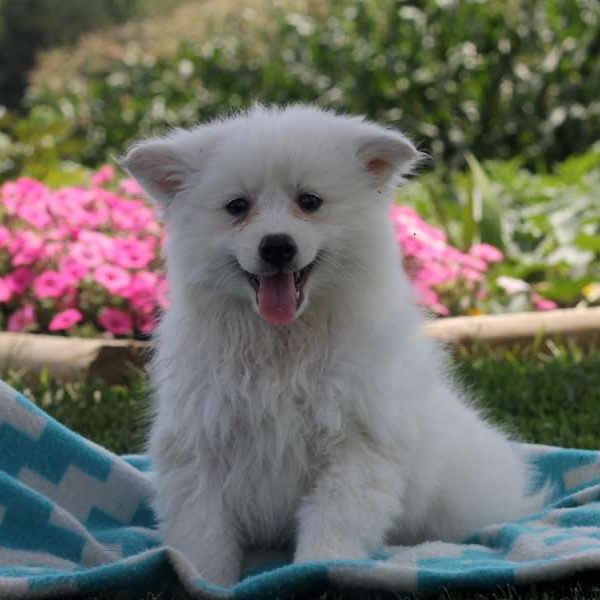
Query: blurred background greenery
pixel 503 94
pixel 497 78
pixel 30 26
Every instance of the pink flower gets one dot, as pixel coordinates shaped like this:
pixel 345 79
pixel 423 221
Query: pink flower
pixel 431 263
pixel 67 204
pixel 473 262
pixel 95 238
pixel 143 300
pixel 145 323
pixel 56 239
pixel 104 175
pixel 144 280
pixel 137 218
pixel 65 319
pixel 131 187
pixel 427 296
pixel 26 247
pixel 486 252
pixel 142 292
pixel 440 309
pixel 53 249
pixel 114 279
pixel 76 218
pixel 10 196
pixel 410 246
pixel 542 303
pixel 20 279
pixel 116 321
pixel 435 274
pixel 6 290
pixel 68 299
pixel 96 217
pixel 132 214
pixel 404 214
pixel 57 234
pixel 472 274
pixel 132 253
pixel 21 192
pixel 21 319
pixel 50 284
pixel 452 254
pixel 72 270
pixel 87 254
pixel 163 293
pixel 34 214
pixel 4 236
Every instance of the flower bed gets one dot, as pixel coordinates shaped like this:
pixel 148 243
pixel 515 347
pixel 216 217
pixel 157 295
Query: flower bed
pixel 86 261
pixel 80 260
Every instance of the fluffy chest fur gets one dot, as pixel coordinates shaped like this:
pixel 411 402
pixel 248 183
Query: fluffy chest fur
pixel 270 462
pixel 265 404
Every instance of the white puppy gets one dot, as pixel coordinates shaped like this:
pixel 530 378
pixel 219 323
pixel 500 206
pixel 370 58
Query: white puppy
pixel 297 401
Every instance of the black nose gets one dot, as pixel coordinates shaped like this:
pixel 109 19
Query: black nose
pixel 277 249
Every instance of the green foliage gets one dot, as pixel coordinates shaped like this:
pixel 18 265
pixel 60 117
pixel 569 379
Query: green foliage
pixel 493 78
pixel 546 224
pixel 26 26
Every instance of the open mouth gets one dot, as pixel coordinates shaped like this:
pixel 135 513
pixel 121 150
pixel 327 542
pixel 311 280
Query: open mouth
pixel 279 296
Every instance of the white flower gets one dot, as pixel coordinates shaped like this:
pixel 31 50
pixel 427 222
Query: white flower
pixel 512 285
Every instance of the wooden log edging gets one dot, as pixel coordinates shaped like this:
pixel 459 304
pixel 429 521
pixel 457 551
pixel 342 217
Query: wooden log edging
pixel 582 324
pixel 69 356
pixel 111 359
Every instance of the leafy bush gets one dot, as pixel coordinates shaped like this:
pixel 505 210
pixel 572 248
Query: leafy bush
pixel 547 225
pixel 27 26
pixel 447 280
pixel 458 76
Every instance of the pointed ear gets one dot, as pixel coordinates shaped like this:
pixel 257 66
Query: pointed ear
pixel 387 155
pixel 158 167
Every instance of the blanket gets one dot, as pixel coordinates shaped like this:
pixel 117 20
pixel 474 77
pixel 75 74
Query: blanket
pixel 75 520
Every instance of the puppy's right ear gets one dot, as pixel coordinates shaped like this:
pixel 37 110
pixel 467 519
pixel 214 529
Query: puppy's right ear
pixel 387 155
pixel 158 167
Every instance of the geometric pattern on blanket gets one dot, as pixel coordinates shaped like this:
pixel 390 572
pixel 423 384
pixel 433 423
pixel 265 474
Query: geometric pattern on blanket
pixel 75 519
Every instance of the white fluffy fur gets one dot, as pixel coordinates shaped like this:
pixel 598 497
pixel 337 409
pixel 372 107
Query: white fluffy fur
pixel 339 432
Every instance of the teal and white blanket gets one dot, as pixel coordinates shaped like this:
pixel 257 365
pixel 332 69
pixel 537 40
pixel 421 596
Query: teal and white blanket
pixel 74 519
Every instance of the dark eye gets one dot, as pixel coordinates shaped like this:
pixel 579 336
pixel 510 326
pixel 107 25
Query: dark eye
pixel 238 207
pixel 309 202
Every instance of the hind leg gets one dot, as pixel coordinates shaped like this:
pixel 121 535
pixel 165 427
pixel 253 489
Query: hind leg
pixel 484 483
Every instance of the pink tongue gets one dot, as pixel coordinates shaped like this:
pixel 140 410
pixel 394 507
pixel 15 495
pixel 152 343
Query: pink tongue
pixel 277 298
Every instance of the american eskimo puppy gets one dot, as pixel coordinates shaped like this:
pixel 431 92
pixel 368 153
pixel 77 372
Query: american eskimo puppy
pixel 297 402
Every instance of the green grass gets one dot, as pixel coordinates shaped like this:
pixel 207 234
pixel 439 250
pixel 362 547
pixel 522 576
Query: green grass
pixel 547 394
pixel 113 416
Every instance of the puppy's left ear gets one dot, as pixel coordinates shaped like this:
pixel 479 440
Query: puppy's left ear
pixel 386 156
pixel 159 166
